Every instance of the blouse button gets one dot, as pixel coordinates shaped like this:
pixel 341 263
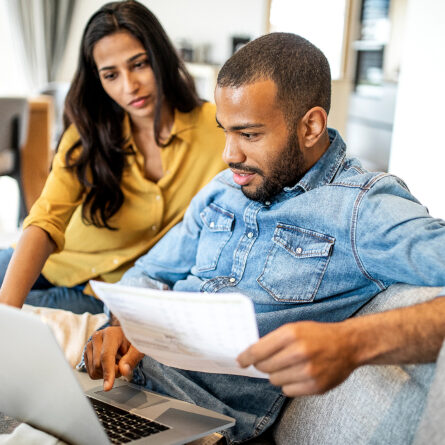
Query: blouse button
pixel 158 197
pixel 115 261
pixel 153 228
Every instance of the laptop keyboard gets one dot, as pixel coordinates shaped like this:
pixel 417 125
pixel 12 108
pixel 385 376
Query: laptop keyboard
pixel 122 426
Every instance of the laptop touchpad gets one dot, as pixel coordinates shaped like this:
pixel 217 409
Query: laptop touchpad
pixel 131 397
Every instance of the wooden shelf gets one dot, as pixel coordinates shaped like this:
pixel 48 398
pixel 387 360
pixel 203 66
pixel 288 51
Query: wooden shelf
pixel 36 154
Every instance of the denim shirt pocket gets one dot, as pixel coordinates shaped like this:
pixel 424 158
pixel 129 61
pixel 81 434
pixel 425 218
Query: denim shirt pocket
pixel 216 231
pixel 296 263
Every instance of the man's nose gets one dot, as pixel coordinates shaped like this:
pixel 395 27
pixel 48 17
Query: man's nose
pixel 232 151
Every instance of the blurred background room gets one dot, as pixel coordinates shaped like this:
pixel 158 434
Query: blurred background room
pixel 386 60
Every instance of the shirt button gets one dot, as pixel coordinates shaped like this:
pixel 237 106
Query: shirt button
pixel 267 203
pixel 232 280
pixel 115 261
pixel 298 250
pixel 153 228
pixel 158 197
pixel 250 235
pixel 212 225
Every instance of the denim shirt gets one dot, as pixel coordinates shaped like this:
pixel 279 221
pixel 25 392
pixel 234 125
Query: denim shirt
pixel 318 251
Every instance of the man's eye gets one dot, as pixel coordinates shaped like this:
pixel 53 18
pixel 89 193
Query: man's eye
pixel 249 135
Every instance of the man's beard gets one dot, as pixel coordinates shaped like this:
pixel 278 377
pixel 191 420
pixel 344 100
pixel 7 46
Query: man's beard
pixel 285 171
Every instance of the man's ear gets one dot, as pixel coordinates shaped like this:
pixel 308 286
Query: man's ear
pixel 312 127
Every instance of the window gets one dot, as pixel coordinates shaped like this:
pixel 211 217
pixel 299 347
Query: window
pixel 13 79
pixel 322 22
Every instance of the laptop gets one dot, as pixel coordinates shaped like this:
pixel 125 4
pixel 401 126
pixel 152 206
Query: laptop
pixel 39 387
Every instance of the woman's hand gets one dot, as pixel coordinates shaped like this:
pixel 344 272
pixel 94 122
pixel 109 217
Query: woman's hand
pixel 33 249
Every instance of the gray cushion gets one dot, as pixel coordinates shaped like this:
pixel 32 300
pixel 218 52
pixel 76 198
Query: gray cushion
pixel 375 405
pixel 431 428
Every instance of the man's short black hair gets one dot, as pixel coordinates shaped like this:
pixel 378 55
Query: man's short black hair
pixel 298 68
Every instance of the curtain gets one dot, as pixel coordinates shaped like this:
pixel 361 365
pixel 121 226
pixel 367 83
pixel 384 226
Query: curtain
pixel 41 27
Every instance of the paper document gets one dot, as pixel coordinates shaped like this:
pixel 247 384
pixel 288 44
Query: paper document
pixel 195 331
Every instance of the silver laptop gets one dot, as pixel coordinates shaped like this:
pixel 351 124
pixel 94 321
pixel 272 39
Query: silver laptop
pixel 38 386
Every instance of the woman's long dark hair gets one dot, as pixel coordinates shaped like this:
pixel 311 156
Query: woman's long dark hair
pixel 98 118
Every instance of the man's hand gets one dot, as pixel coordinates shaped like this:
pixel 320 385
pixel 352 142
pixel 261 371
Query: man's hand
pixel 304 357
pixel 310 358
pixel 109 355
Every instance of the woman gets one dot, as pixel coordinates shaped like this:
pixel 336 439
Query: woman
pixel 138 145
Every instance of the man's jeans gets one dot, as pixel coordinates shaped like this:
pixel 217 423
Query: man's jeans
pixel 45 294
pixel 255 405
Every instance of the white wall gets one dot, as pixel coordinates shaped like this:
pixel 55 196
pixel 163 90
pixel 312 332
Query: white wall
pixel 13 81
pixel 198 21
pixel 418 144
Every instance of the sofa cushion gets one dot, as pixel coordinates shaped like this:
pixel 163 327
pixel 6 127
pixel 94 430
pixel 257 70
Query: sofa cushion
pixel 375 405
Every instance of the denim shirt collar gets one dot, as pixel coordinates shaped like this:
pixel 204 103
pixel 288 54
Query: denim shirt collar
pixel 325 169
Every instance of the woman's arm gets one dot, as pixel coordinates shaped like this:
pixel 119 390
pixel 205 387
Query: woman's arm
pixel 44 231
pixel 33 249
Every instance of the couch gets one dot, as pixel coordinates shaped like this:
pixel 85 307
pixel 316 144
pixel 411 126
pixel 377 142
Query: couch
pixel 376 404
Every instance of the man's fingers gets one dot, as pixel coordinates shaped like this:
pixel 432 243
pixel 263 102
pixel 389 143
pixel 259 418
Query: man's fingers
pixel 308 377
pixel 297 380
pixel 93 371
pixel 96 349
pixel 293 374
pixel 306 388
pixel 112 340
pixel 129 361
pixel 86 358
pixel 291 355
pixel 267 346
pixel 305 384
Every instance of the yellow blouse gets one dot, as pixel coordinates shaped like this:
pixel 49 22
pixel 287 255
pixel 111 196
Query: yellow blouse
pixel 149 210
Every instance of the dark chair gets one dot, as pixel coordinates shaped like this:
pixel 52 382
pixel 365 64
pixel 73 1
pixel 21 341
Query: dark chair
pixel 14 117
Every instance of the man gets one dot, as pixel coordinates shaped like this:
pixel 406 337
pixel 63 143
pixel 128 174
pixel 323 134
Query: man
pixel 309 235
